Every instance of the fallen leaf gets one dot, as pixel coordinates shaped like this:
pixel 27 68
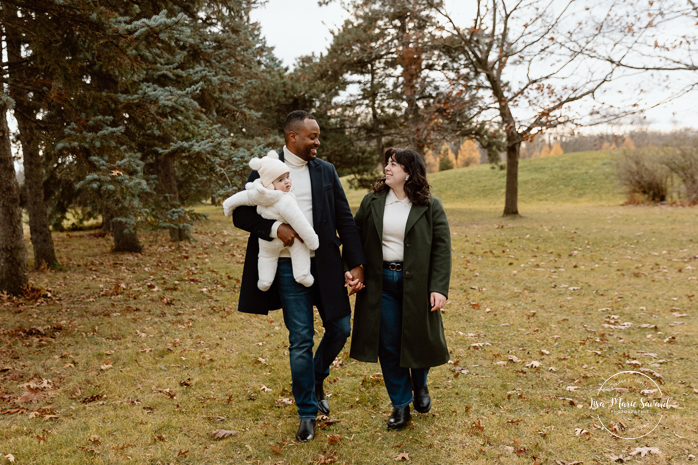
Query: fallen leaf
pixel 33 396
pixel 10 457
pixel 533 364
pixel 617 458
pixel 323 459
pixel 326 423
pixel 275 449
pixel 264 388
pixel 334 439
pixel 646 450
pixel 403 456
pixel 477 426
pixel 182 452
pixel 223 433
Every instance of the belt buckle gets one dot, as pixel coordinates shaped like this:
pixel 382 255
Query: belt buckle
pixel 395 266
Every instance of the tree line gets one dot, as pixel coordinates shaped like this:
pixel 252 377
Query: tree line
pixel 133 111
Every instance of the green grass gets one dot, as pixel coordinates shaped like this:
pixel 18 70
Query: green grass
pixel 119 330
pixel 574 178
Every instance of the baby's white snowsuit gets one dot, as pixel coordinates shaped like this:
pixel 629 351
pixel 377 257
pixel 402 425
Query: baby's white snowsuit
pixel 281 206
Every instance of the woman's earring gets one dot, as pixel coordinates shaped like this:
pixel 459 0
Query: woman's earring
pixel 407 178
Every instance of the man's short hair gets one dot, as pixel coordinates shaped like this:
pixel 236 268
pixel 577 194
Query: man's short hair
pixel 294 118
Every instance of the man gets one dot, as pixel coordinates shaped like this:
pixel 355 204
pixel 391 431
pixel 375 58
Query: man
pixel 322 200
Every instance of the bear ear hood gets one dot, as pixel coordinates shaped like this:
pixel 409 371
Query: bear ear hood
pixel 269 168
pixel 261 195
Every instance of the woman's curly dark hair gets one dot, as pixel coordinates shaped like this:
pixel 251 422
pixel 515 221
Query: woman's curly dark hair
pixel 417 188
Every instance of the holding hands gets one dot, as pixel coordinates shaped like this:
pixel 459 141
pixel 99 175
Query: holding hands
pixel 354 280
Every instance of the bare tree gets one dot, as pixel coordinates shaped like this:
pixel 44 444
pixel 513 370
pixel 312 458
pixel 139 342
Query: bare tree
pixel 653 36
pixel 533 61
pixel 13 254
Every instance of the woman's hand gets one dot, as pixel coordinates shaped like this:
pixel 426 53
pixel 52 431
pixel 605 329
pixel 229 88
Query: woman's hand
pixel 437 301
pixel 354 280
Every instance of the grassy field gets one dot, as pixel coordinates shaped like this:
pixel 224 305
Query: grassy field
pixel 140 358
pixel 573 178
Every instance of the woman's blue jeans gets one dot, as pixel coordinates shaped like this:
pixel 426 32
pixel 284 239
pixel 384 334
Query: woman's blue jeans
pixel 398 380
pixel 297 302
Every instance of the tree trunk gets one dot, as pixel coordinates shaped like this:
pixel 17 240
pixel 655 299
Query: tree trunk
pixel 125 241
pixel 409 57
pixel 42 242
pixel 167 175
pixel 107 222
pixel 374 115
pixel 13 254
pixel 511 202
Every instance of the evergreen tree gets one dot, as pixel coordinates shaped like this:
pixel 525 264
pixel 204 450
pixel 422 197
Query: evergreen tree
pixel 445 162
pixel 143 106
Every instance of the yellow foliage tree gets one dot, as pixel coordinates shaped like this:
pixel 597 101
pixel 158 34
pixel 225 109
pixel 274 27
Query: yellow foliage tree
pixel 628 143
pixel 468 154
pixel 431 161
pixel 556 150
pixel 545 151
pixel 608 146
pixel 446 152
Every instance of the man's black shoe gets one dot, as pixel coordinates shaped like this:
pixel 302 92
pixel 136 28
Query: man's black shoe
pixel 399 418
pixel 306 430
pixel 422 399
pixel 322 402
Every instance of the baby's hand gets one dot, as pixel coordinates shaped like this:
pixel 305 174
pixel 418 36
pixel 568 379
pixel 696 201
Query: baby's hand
pixel 313 242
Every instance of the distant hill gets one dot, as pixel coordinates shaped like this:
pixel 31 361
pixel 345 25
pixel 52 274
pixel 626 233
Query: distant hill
pixel 571 178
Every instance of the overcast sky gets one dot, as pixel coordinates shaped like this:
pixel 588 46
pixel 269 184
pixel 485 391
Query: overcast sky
pixel 301 27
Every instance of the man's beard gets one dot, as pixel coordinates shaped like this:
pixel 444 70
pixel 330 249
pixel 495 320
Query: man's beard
pixel 305 153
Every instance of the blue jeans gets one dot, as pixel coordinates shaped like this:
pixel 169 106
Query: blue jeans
pixel 297 302
pixel 398 380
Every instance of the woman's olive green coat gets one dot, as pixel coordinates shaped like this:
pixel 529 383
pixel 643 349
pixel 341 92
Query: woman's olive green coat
pixel 426 269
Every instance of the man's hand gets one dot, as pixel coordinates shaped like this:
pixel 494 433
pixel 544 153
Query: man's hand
pixel 287 235
pixel 354 280
pixel 437 301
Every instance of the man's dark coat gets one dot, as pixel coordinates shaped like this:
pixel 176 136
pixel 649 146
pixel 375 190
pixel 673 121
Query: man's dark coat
pixel 331 216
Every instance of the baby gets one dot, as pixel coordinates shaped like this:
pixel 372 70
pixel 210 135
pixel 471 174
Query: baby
pixel 272 196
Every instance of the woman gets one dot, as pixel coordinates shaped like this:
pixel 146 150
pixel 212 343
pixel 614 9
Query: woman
pixel 406 238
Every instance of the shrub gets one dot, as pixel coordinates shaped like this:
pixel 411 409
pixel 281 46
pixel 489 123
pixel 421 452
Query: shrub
pixel 643 175
pixel 683 163
pixel 655 174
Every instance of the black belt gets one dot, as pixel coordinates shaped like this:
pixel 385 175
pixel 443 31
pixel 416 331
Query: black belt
pixel 393 266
